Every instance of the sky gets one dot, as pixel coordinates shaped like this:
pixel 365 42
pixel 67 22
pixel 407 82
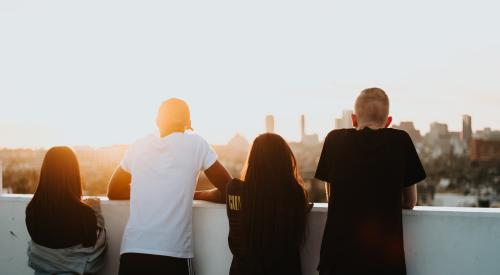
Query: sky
pixel 95 72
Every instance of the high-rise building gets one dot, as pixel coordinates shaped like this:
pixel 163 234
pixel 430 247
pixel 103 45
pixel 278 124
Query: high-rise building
pixel 338 123
pixel 409 127
pixel 269 124
pixel 466 128
pixel 305 138
pixel 345 121
pixel 439 129
pixel 302 127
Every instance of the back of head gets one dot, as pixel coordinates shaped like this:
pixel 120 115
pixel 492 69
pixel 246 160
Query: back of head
pixel 270 157
pixel 60 182
pixel 174 115
pixel 274 206
pixel 372 107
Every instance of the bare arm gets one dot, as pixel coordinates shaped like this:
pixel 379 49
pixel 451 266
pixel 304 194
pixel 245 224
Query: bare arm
pixel 219 177
pixel 327 191
pixel 119 185
pixel 409 197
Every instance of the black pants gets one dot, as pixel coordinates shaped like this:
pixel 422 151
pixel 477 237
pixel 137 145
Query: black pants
pixel 145 264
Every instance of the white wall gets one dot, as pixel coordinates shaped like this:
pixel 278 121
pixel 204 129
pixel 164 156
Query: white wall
pixel 438 241
pixel 1 177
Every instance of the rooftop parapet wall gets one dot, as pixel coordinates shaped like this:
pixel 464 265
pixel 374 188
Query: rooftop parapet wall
pixel 438 240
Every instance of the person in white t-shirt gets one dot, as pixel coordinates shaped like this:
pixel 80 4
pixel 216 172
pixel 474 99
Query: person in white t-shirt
pixel 159 174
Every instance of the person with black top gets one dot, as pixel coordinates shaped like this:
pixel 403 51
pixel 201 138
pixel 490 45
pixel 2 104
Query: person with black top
pixel 267 211
pixel 58 221
pixel 370 173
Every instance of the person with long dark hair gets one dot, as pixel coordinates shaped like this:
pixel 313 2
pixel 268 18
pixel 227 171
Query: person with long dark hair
pixel 67 233
pixel 267 211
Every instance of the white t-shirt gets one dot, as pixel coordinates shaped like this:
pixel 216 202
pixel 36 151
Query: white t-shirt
pixel 164 175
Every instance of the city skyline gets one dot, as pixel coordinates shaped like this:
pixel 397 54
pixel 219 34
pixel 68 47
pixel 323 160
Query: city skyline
pixel 65 79
pixel 308 136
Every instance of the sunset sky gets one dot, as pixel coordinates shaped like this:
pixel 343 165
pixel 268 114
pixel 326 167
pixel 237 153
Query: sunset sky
pixel 95 72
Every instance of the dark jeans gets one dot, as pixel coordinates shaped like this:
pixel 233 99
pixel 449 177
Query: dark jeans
pixel 145 264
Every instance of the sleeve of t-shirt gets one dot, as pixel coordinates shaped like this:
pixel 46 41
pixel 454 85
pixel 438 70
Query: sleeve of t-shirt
pixel 126 162
pixel 323 171
pixel 414 170
pixel 208 155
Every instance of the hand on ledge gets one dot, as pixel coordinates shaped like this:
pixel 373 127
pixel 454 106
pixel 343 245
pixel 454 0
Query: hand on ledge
pixel 213 195
pixel 118 197
pixel 408 207
pixel 92 202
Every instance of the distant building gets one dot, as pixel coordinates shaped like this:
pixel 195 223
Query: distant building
pixel 484 150
pixel 409 127
pixel 442 142
pixel 99 158
pixel 466 128
pixel 458 145
pixel 487 134
pixel 238 143
pixel 306 139
pixel 302 126
pixel 345 122
pixel 439 130
pixel 233 155
pixel 269 124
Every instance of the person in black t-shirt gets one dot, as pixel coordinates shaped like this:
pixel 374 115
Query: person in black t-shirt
pixel 57 219
pixel 371 171
pixel 267 211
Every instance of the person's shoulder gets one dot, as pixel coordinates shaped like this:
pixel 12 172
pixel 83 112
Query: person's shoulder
pixel 339 134
pixel 145 140
pixel 234 186
pixel 395 131
pixel 86 208
pixel 236 182
pixel 195 138
pixel 87 211
pixel 398 134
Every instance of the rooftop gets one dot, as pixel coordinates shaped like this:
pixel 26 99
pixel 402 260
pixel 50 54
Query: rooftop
pixel 438 240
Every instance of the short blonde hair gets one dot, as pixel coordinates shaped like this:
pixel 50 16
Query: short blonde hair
pixel 174 113
pixel 372 106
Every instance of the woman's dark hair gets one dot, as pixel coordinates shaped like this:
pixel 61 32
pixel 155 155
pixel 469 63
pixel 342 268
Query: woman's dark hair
pixel 275 206
pixel 60 184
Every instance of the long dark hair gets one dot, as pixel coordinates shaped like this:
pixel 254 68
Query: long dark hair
pixel 275 206
pixel 60 184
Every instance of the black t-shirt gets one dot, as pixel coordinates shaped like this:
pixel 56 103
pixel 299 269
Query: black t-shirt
pixel 236 244
pixel 367 170
pixel 289 261
pixel 73 225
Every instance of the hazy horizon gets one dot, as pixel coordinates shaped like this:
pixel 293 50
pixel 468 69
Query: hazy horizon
pixel 94 72
pixel 249 139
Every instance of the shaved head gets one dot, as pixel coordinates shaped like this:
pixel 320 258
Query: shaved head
pixel 174 114
pixel 372 107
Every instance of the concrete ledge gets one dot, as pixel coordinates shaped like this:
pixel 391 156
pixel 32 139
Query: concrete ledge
pixel 438 240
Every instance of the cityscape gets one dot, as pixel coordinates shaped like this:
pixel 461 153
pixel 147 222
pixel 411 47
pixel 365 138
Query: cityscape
pixel 463 167
pixel 113 83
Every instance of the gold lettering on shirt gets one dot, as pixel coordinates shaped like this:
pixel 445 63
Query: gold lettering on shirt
pixel 234 202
